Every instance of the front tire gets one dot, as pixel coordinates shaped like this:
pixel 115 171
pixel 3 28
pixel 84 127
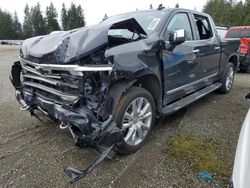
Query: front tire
pixel 227 79
pixel 135 115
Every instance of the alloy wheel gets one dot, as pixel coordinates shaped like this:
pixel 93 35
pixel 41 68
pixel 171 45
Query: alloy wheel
pixel 137 120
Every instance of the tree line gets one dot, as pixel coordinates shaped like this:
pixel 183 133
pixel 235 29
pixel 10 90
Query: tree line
pixel 35 23
pixel 228 12
pixel 224 12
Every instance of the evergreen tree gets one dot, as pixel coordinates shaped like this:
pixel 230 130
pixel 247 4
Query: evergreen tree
pixel 177 5
pixel 64 18
pixel 246 13
pixel 220 11
pixel 228 13
pixel 38 21
pixel 80 17
pixel 51 18
pixel 73 17
pixel 17 27
pixel 27 23
pixel 6 22
pixel 237 14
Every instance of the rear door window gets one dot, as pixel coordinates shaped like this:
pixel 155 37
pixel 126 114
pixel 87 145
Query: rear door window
pixel 203 26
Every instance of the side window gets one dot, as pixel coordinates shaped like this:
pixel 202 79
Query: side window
pixel 179 21
pixel 203 26
pixel 123 33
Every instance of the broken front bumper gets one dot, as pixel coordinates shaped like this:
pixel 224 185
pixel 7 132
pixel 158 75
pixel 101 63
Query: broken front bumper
pixel 87 130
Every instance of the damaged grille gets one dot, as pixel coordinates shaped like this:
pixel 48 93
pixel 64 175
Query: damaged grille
pixel 60 83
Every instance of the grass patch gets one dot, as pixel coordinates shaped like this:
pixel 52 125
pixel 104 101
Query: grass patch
pixel 201 153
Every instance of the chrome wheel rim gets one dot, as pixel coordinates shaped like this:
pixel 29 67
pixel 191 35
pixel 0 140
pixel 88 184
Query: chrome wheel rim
pixel 137 120
pixel 230 78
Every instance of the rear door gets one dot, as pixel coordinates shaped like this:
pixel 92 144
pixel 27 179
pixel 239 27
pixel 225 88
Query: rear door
pixel 181 63
pixel 208 45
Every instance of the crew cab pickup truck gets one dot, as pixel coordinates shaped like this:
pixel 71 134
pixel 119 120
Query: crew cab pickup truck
pixel 242 33
pixel 108 82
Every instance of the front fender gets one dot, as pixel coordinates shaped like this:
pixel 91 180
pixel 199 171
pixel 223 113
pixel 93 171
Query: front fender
pixel 117 89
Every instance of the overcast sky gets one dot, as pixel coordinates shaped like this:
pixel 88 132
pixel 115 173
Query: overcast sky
pixel 94 10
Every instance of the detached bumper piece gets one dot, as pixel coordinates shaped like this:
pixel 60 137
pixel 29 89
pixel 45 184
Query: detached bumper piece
pixel 75 174
pixel 86 129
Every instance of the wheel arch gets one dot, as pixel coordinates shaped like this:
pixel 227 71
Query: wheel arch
pixel 151 83
pixel 234 59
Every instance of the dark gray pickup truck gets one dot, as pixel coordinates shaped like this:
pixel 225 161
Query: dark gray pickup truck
pixel 107 83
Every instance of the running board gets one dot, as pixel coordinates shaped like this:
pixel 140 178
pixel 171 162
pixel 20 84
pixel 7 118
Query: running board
pixel 169 109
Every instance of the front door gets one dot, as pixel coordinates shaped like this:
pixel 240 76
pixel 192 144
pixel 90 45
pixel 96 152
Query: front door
pixel 181 62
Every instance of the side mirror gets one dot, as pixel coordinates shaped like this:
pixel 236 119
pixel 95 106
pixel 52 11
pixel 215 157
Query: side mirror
pixel 177 37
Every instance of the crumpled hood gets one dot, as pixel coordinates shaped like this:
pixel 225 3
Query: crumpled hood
pixel 67 46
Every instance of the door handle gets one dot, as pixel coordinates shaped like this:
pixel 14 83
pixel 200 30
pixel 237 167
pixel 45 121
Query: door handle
pixel 196 51
pixel 217 48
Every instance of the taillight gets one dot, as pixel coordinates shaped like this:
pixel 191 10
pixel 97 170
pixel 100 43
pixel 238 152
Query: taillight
pixel 244 45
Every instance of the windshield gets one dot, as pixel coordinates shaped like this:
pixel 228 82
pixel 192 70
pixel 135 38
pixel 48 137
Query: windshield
pixel 148 20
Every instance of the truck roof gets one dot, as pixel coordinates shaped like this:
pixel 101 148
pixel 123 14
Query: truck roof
pixel 167 10
pixel 240 27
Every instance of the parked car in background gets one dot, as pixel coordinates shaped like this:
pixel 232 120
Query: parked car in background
pixel 221 31
pixel 11 42
pixel 242 33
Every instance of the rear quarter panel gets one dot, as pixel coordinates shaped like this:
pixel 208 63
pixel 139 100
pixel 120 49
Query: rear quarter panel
pixel 229 48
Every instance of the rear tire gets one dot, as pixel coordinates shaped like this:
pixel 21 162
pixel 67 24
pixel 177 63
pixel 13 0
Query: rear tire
pixel 227 79
pixel 135 115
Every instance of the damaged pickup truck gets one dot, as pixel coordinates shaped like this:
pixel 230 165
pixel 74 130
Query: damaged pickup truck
pixel 108 82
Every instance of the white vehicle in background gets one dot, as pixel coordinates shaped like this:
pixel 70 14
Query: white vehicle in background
pixel 241 170
pixel 221 31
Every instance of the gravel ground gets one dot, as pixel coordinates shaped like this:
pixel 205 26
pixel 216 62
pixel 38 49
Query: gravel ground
pixel 202 136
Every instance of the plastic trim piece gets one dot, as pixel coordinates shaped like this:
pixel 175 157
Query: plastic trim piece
pixel 64 67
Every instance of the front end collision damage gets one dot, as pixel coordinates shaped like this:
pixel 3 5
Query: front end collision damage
pixel 86 129
pixel 82 94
